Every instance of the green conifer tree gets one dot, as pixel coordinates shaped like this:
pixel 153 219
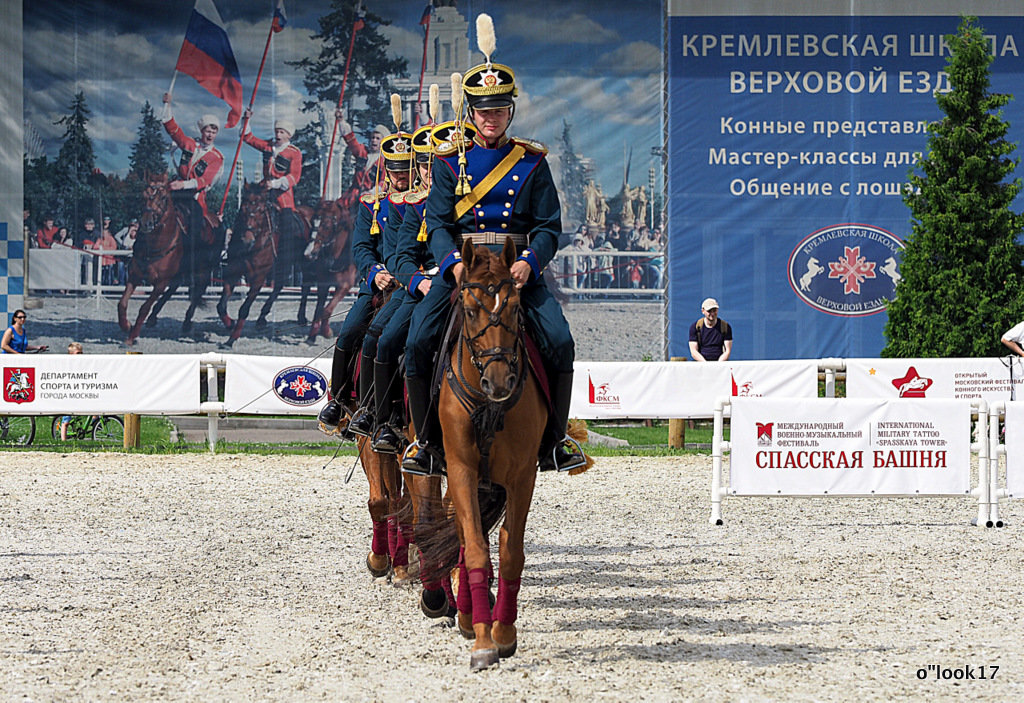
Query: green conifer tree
pixel 148 155
pixel 961 270
pixel 75 197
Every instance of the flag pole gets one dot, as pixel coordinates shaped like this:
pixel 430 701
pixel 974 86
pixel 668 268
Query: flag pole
pixel 174 78
pixel 423 68
pixel 245 122
pixel 334 130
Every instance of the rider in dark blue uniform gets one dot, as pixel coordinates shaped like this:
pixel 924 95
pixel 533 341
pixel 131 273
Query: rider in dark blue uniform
pixel 368 251
pixel 496 187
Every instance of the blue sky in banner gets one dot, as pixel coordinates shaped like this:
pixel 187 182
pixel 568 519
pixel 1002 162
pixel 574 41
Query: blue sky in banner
pixel 758 216
pixel 588 61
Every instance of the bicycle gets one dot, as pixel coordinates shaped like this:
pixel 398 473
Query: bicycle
pixel 100 428
pixel 18 430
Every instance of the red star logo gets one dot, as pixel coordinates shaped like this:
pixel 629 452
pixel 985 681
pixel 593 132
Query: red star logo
pixel 912 385
pixel 300 385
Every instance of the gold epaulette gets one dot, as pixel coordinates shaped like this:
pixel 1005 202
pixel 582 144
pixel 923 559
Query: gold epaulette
pixel 532 146
pixel 399 197
pixel 449 148
pixel 372 196
pixel 416 197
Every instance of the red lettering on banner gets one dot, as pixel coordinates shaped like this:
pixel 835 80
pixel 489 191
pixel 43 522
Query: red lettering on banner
pixel 803 459
pixel 910 459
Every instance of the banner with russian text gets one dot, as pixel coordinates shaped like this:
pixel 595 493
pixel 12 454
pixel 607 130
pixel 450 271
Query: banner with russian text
pixel 80 384
pixel 604 390
pixel 792 128
pixel 843 446
pixel 986 378
pixel 1014 442
pixel 276 384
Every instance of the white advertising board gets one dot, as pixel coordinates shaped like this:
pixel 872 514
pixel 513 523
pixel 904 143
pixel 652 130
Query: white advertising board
pixel 278 385
pixel 154 384
pixel 830 446
pixel 683 389
pixel 1015 449
pixel 987 378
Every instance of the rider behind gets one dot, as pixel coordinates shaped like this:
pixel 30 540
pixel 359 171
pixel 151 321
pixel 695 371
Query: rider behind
pixel 495 188
pixel 368 250
pixel 282 169
pixel 198 169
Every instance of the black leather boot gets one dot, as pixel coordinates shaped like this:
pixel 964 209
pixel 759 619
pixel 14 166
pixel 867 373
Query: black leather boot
pixel 419 458
pixel 332 414
pixel 558 450
pixel 363 420
pixel 387 390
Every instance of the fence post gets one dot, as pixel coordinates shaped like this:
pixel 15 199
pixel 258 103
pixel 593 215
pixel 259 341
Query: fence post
pixel 676 427
pixel 132 426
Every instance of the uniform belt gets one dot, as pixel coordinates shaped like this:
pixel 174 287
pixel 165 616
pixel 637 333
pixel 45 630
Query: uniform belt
pixel 520 240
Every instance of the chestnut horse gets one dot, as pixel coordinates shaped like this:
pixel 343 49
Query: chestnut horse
pixel 332 227
pixel 254 252
pixel 157 253
pixel 493 415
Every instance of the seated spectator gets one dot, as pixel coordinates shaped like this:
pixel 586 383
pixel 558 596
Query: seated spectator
pixel 62 237
pixel 46 233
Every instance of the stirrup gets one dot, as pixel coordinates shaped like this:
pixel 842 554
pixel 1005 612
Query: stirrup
pixel 362 422
pixel 572 456
pixel 331 418
pixel 419 460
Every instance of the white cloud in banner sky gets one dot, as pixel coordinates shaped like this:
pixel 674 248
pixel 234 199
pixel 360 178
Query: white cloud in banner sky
pixel 575 28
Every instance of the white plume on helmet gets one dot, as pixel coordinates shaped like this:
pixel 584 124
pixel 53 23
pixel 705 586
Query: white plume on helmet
pixel 207 120
pixel 485 38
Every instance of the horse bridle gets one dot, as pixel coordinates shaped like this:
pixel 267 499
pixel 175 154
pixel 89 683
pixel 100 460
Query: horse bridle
pixel 268 233
pixel 482 358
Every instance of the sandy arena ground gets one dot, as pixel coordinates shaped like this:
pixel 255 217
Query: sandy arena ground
pixel 227 577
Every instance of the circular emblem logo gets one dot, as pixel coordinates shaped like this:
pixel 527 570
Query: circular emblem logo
pixel 849 269
pixel 300 385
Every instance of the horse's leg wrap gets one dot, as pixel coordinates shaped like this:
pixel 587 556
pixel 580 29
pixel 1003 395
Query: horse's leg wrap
pixel 401 556
pixel 379 544
pixel 393 539
pixel 446 584
pixel 465 600
pixel 479 587
pixel 431 582
pixel 506 604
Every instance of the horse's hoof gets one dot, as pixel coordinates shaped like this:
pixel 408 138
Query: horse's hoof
pixel 226 345
pixel 310 341
pixel 465 624
pixel 378 564
pixel 434 604
pixel 261 323
pixel 151 322
pixel 483 659
pixel 401 577
pixel 130 341
pixel 500 631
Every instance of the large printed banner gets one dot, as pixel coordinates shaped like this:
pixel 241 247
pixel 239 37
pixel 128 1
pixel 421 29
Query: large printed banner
pixel 988 379
pixel 682 389
pixel 841 446
pixel 152 384
pixel 1015 449
pixel 277 385
pixel 792 128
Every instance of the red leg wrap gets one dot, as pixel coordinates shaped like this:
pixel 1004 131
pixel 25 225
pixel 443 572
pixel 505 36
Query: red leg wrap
pixel 428 584
pixel 392 538
pixel 478 586
pixel 401 557
pixel 505 605
pixel 379 545
pixel 465 604
pixel 446 584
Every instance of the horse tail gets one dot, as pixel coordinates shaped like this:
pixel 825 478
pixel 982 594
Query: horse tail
pixel 578 430
pixel 439 542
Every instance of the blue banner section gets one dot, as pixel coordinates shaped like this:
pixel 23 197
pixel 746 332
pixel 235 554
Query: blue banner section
pixel 790 141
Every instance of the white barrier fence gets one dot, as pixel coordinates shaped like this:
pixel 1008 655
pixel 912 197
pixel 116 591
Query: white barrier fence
pixel 936 389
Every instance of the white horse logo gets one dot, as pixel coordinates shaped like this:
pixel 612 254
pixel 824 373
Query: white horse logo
pixel 813 269
pixel 890 270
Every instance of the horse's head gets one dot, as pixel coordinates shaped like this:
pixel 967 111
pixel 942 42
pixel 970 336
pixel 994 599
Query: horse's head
pixel 156 201
pixel 490 324
pixel 254 214
pixel 326 220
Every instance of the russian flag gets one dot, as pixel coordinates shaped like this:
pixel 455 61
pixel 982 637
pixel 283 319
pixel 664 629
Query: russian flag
pixel 206 56
pixel 360 20
pixel 427 12
pixel 280 18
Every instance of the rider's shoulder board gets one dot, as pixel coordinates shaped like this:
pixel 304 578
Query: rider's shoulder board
pixel 416 197
pixel 531 145
pixel 373 195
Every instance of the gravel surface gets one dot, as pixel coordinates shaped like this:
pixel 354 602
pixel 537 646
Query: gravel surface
pixel 604 331
pixel 199 577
